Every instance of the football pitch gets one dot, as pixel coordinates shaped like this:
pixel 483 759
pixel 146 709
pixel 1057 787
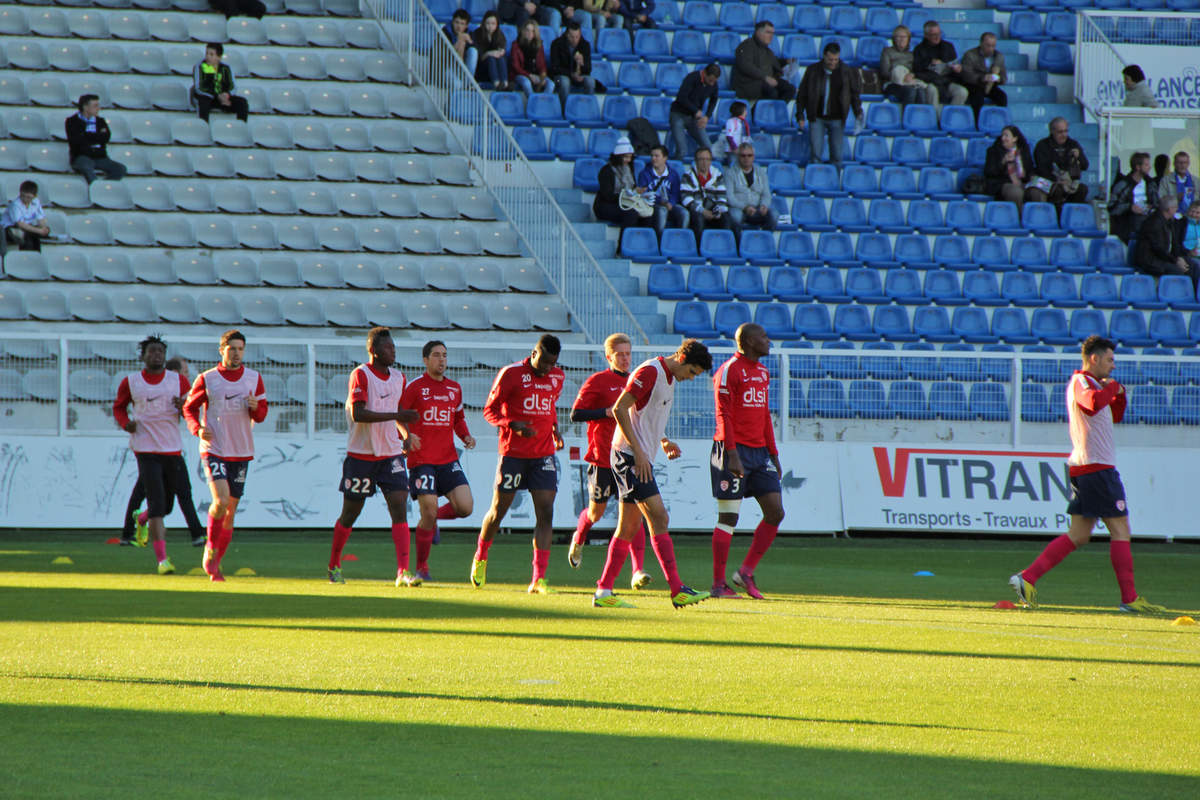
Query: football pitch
pixel 856 679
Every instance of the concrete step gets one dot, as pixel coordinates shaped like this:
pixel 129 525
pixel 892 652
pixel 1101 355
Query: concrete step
pixel 1025 77
pixel 962 33
pixel 592 231
pixel 1031 94
pixel 577 212
pixel 601 248
pixel 615 267
pixel 949 15
pixel 1044 112
pixel 627 287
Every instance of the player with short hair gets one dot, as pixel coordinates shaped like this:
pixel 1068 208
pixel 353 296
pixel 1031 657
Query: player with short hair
pixel 433 465
pixel 155 394
pixel 521 404
pixel 375 452
pixel 1095 401
pixel 233 399
pixel 641 413
pixel 593 405
pixel 745 460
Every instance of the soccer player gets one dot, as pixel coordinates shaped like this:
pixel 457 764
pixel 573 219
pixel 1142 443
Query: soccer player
pixel 745 460
pixel 593 405
pixel 1094 402
pixel 641 413
pixel 156 394
pixel 233 399
pixel 433 465
pixel 375 452
pixel 521 404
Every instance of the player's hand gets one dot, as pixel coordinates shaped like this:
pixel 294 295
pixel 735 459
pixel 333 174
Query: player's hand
pixel 130 426
pixel 608 412
pixel 733 463
pixel 521 428
pixel 671 449
pixel 205 434
pixel 469 443
pixel 413 442
pixel 559 444
pixel 178 401
pixel 643 470
pixel 252 402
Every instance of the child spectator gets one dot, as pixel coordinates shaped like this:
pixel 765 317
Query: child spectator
pixel 24 221
pixel 492 47
pixel 212 86
pixel 737 130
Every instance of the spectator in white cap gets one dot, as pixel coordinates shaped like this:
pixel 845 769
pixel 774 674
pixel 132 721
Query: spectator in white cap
pixel 615 177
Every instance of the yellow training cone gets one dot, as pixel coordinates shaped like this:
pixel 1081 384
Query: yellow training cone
pixel 195 571
pixel 245 572
pixel 62 560
pixel 1183 621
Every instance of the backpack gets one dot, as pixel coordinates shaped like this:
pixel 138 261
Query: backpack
pixel 869 81
pixel 642 135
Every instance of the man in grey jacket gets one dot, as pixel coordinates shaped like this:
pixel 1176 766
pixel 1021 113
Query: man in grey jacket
pixel 983 72
pixel 748 194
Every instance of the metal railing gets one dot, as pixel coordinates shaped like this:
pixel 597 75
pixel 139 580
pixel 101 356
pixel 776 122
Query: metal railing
pixel 1125 131
pixel 1098 65
pixel 594 303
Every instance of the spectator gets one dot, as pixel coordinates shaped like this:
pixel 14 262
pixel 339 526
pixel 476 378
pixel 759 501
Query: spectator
pixel 616 177
pixel 1008 167
pixel 239 8
pixel 896 72
pixel 748 193
pixel 737 131
pixel 1189 237
pixel 87 140
pixel 1137 91
pixel 1159 249
pixel 935 62
pixel 1059 160
pixel 460 39
pixel 518 12
pixel 1161 162
pixel 492 52
pixel 692 106
pixel 1179 184
pixel 571 63
pixel 24 221
pixel 757 71
pixel 605 13
pixel 702 189
pixel 1132 198
pixel 528 66
pixel 983 72
pixel 828 91
pixel 212 86
pixel 637 14
pixel 661 183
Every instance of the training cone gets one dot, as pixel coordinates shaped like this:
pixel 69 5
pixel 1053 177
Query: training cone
pixel 245 572
pixel 349 557
pixel 922 573
pixel 1183 621
pixel 196 571
pixel 62 560
pixel 1004 604
pixel 113 540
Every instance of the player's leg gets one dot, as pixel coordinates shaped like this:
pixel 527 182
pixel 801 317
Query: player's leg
pixel 353 486
pixel 133 531
pixel 508 480
pixel 629 521
pixel 771 504
pixel 397 503
pixel 541 477
pixel 655 513
pixel 600 487
pixel 150 475
pixel 218 488
pixel 1024 583
pixel 187 505
pixel 427 505
pixel 1121 556
pixel 728 490
pixel 237 486
pixel 459 500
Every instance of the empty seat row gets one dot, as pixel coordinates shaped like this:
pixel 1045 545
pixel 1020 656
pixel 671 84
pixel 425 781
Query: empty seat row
pixel 307 8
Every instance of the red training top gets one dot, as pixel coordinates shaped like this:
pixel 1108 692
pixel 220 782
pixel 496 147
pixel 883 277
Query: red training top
pixel 599 392
pixel 740 387
pixel 519 395
pixel 440 406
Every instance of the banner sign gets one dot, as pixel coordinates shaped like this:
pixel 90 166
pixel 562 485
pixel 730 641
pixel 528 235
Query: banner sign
pixel 1172 73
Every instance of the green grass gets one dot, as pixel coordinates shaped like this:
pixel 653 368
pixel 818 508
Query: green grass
pixel 855 680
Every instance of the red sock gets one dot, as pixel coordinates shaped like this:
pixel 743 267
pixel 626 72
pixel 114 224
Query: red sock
pixel 214 532
pixel 1058 549
pixel 1122 563
pixel 637 548
pixel 446 511
pixel 764 534
pixel 541 560
pixel 142 517
pixel 400 537
pixel 340 535
pixel 160 551
pixel 665 550
pixel 720 552
pixel 223 545
pixel 582 527
pixel 424 538
pixel 618 550
pixel 481 548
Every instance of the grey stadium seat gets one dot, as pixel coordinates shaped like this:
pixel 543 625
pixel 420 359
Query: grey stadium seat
pixel 455 172
pixel 195 269
pixel 385 68
pixel 390 137
pixel 306 8
pixel 105 58
pixel 275 199
pixel 316 200
pixel 271 134
pixel 152 130
pixel 220 308
pixel 346 312
pixel 550 316
pixel 347 67
pixel 231 133
pixel 194 195
pixel 31 55
pixel 207 27
pixel 306 66
pixel 135 159
pixel 14 156
pixel 297 235
pixel 389 313
pixel 89 25
pixel 338 236
pixel 253 164
pixel 128 25
pixel 306 311
pixel 151 195
pixel 279 270
pixel 430 140
pixel 311 135
pixel 461 240
pixel 427 313
pixel 364 273
pixel 469 314
pixel 244 30
pixel 357 203
pixel 214 164
pixel 285 32
pixel 49 22
pixel 266 64
pixel 362 33
pixel 26 266
pixel 297 387
pixel 113 195
pixel 413 169
pixel 169 28
pixel 262 309
pixel 445 275
pixel 119 130
pixel 112 266
pixel 41 384
pixel 27 125
pixel 333 167
pixel 14 92
pixel 379 237
pixel 66 192
pixel 237 269
pixel 420 238
pixel 182 60
pixel 148 60
pixel 324 33
pixel 84 84
pixel 132 230
pixel 92 385
pixel 295 354
pixel 374 168
pixel 12 305
pixel 329 102
pixel 523 275
pixel 170 95
pixel 501 242
pixel 294 166
pixel 349 136
pixel 396 202
pixel 10 385
pixel 134 306
pixel 438 205
pixel 63 264
pixel 191 131
pixel 48 92
pixel 484 276
pixel 290 101
pixel 322 272
pixel 178 307
pixel 47 304
pixel 235 198
pixel 90 305
pixel 13 21
pixel 174 230
pixel 48 158
pixel 258 234
pixel 129 94
pixel 91 229
pixel 216 232
pixel 477 206
pixel 172 162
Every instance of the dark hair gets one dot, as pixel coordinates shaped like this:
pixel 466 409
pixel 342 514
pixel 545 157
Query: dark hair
pixel 550 344
pixel 375 334
pixel 174 363
pixel 572 25
pixel 231 334
pixel 1095 344
pixel 461 13
pixel 618 160
pixel 693 351
pixel 1022 142
pixel 153 338
pixel 1161 164
pixel 84 99
pixel 428 348
pixel 985 35
pixel 832 47
pixel 28 186
pixel 487 14
pixel 700 150
pixel 1138 158
pixel 659 147
pixel 930 24
pixel 758 26
pixel 217 47
pixel 737 108
pixel 713 70
pixel 1134 73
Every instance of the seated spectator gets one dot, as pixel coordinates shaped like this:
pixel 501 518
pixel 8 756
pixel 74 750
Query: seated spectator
pixel 527 63
pixel 737 131
pixel 1188 230
pixel 1008 167
pixel 659 183
pixel 748 194
pixel 1159 250
pixel 1179 184
pixel 1137 91
pixel 212 86
pixel 828 92
pixel 1131 198
pixel 1059 160
pixel 605 13
pixel 637 14
pixel 518 12
pixel 896 72
pixel 1161 163
pixel 702 190
pixel 24 221
pixel 757 71
pixel 935 62
pixel 239 8
pixel 571 63
pixel 460 39
pixel 615 177
pixel 983 73
pixel 492 53
pixel 87 141
pixel 691 108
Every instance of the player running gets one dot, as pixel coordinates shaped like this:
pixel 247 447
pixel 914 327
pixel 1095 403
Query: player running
pixel 433 465
pixel 521 404
pixel 1094 402
pixel 745 460
pixel 641 413
pixel 155 394
pixel 594 405
pixel 233 399
pixel 375 452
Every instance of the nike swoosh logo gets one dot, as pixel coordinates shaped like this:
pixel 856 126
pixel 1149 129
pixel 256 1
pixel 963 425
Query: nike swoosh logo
pixel 230 396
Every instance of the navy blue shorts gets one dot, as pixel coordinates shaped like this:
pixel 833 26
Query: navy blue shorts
pixel 436 479
pixel 1098 495
pixel 629 487
pixel 360 477
pixel 158 474
pixel 601 484
pixel 759 475
pixel 232 472
pixel 535 474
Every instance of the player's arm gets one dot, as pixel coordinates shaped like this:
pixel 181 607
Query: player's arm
pixel 1090 400
pixel 1118 403
pixel 460 428
pixel 183 393
pixel 641 463
pixel 769 438
pixel 121 407
pixel 257 402
pixel 584 409
pixel 196 399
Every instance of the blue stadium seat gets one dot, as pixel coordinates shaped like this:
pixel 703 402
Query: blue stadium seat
pixel 706 282
pixel 1186 402
pixel 875 250
pixel 1149 405
pixel 1029 254
pixel 652 45
pixel 1168 328
pixel 777 14
pixel 666 281
pixel 811 19
pixel 847 366
pixel 992 119
pixel 871 149
pixel 1167 30
pixel 825 284
pixel 723 44
pixel 586 174
pixel 668 77
pixel 800 46
pixel 1188 371
pixel 959 121
pixel 728 316
pixel 1012 325
pixel 881 20
pixel 614 45
pixel 1026 26
pixel 915 18
pixel 736 16
pixel 937 183
pixel 603 72
pixel 965 370
pixel 952 253
pixel 1128 371
pixel 1060 290
pixel 912 250
pixel 977 152
pixel 636 77
pixel 907 400
pixel 1002 218
pixel 810 214
pixel 797 403
pixel 899 183
pixel 679 246
pixel 511 107
pixel 849 215
pixel 568 143
pixel 546 110
pixel 785 179
pixel 983 289
pixel 892 323
pixel 947 152
pixel 887 215
pixel 758 248
pixel 776 319
pixel 971 325
pixel 657 111
pixel 601 142
pixel 1176 291
pixel 719 247
pixel 827 398
pixel 867 400
pixel 819 179
pixel 1079 220
pixel 996 369
pixel 923 368
pixel 884 119
pixel 764 148
pixel 797 249
pixel 926 217
pixel 1128 327
pixel 859 180
pixel 921 120
pixel 965 218
pixel 1034 405
pixel 932 323
pixel 1160 367
pixel 1060 25
pixel 812 321
pixel 532 142
pixel 1086 322
pixel 1109 255
pixel 1041 219
pixel 1021 289
pixel 786 284
pixel 864 285
pixel 1069 256
pixel 641 244
pixel 837 250
pixel 948 400
pixel 847 20
pixel 1041 370
pixel 987 401
pixel 903 286
pixel 793 147
pixel 1139 291
pixel 942 287
pixel 910 151
pixel 618 109
pixel 991 252
pixel 666 14
pixel 1055 57
pixel 745 282
pixel 1101 291
pixel 881 367
pixel 692 319
pixel 772 116
pixel 691 46
pixel 868 49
